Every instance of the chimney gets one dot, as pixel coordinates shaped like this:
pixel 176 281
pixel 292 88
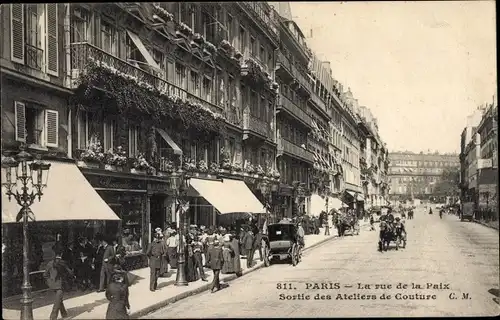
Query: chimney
pixel 311 33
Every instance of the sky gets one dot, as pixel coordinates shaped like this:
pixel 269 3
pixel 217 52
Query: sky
pixel 420 67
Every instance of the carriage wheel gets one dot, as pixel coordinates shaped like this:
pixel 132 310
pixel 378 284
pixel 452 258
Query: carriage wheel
pixel 267 260
pixel 294 254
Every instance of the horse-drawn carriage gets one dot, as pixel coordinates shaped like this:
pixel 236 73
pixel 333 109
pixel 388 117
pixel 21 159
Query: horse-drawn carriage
pixel 282 242
pixel 392 232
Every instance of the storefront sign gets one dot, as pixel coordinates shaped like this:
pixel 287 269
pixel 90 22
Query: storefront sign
pixel 115 183
pixel 160 187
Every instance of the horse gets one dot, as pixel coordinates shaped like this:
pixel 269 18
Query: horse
pixel 389 233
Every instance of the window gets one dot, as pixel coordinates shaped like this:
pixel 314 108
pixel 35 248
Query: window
pixel 108 38
pixel 184 13
pixel 195 83
pixel 262 54
pixel 80 21
pixel 133 141
pixel 263 109
pixel 82 130
pixel 220 88
pixel 232 149
pixel 180 73
pixel 244 97
pixel 254 104
pixel 229 29
pixel 109 126
pixel 242 40
pixel 253 46
pixel 36 125
pixel 230 90
pixel 207 89
pixel 34 46
pixel 159 58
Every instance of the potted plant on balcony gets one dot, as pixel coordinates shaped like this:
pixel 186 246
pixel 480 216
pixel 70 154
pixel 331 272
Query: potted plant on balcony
pixel 225 159
pixel 198 39
pixel 249 168
pixel 114 160
pixel 189 165
pixel 202 166
pixel 166 165
pixel 276 174
pixel 260 171
pixel 162 13
pixel 236 168
pixel 214 168
pixel 92 156
pixel 141 165
pixel 184 29
pixel 237 55
pixel 226 46
pixel 210 48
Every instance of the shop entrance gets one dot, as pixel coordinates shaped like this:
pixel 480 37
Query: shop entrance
pixel 159 211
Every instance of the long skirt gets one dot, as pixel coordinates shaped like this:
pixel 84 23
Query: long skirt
pixel 228 266
pixel 191 274
pixel 172 257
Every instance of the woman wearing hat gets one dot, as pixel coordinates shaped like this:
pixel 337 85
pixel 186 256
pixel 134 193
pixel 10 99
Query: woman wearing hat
pixel 227 254
pixel 172 245
pixel 117 294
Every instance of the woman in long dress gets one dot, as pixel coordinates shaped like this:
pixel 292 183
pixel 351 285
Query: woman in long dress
pixel 117 294
pixel 235 245
pixel 191 274
pixel 228 256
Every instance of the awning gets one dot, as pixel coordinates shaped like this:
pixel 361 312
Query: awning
pixel 228 196
pixel 334 203
pixel 142 49
pixel 318 204
pixel 360 197
pixel 169 140
pixel 68 196
pixel 351 193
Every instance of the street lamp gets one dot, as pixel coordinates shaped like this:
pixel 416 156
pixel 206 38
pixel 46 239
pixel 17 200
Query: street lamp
pixel 31 175
pixel 180 185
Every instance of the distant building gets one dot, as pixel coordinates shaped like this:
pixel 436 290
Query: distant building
pixel 415 175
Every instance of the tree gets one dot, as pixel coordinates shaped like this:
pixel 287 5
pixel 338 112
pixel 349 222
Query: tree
pixel 448 182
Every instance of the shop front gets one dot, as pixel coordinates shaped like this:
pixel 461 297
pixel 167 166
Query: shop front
pixel 142 205
pixel 349 197
pixel 284 202
pixel 69 208
pixel 360 205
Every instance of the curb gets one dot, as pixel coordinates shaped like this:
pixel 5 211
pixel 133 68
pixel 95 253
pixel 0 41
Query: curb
pixel 206 287
pixel 486 225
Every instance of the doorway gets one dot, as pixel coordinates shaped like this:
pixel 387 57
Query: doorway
pixel 158 212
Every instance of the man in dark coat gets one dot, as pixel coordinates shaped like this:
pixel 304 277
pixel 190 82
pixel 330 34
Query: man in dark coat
pixel 248 240
pixel 155 252
pixel 97 258
pixel 107 265
pixel 83 263
pixel 215 260
pixel 57 275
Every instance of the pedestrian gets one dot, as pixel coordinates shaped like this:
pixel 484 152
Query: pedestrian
pixel 191 272
pixel 164 257
pixel 117 293
pixel 227 254
pixel 248 240
pixel 215 262
pixel 172 244
pixel 57 275
pixel 106 265
pixel 372 222
pixel 154 253
pixel 83 264
pixel 198 259
pixel 328 224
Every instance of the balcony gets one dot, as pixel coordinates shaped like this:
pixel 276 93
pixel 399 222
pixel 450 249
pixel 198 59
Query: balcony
pixel 297 151
pixel 82 52
pixel 295 111
pixel 34 57
pixel 319 103
pixel 264 17
pixel 293 72
pixel 255 125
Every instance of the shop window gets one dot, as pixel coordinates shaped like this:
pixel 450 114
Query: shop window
pixel 131 216
pixel 36 125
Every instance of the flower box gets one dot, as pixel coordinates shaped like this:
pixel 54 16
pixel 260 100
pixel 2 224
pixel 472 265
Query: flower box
pixel 109 167
pixel 137 171
pixel 90 165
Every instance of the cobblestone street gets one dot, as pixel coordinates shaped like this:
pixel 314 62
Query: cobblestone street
pixel 448 252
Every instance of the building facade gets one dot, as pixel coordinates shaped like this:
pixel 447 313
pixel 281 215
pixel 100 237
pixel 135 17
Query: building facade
pixel 479 162
pixel 416 175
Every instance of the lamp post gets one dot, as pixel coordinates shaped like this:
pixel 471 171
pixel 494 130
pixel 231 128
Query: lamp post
pixel 180 184
pixel 27 172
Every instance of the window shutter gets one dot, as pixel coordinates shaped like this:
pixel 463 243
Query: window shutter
pixel 17 33
pixel 20 121
pixel 52 37
pixel 51 128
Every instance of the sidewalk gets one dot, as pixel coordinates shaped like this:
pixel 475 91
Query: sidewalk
pixel 94 305
pixel 489 224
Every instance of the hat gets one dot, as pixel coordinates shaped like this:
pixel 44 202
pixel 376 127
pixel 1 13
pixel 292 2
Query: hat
pixel 126 231
pixel 158 230
pixel 216 241
pixel 227 237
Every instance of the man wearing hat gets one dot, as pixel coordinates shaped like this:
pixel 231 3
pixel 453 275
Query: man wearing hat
pixel 155 252
pixel 215 260
pixel 57 274
pixel 107 264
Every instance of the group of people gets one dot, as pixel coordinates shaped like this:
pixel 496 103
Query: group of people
pixel 218 249
pixel 85 264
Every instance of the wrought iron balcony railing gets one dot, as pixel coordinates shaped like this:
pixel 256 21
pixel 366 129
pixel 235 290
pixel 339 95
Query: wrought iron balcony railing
pixel 294 71
pixel 254 124
pixel 318 101
pixel 82 52
pixel 298 151
pixel 34 57
pixel 266 17
pixel 234 117
pixel 292 108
